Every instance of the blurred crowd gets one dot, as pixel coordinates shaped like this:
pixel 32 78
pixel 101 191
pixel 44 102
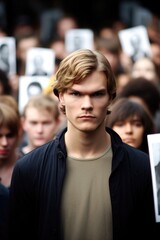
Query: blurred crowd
pixel 134 114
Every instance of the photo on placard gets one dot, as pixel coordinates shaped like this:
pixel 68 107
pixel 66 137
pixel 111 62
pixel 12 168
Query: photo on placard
pixel 79 38
pixel 30 86
pixel 135 42
pixel 154 154
pixel 40 62
pixel 8 55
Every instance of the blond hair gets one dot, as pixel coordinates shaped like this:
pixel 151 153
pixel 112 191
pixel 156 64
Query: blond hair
pixel 77 66
pixel 43 102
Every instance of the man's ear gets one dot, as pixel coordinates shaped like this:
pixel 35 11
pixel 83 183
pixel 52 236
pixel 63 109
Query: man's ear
pixel 61 98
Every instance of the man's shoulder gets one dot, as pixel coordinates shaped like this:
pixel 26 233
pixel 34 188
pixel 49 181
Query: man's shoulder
pixel 38 155
pixel 135 151
pixel 137 158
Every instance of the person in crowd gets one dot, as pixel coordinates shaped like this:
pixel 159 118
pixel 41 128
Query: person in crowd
pixel 110 48
pixel 153 29
pixel 4 190
pixel 5 87
pixel 14 83
pixel 145 93
pixel 86 183
pixel 11 101
pixel 4 206
pixel 58 46
pixel 145 67
pixel 132 122
pixel 155 56
pixel 106 32
pixel 65 23
pixel 40 121
pixel 10 133
pixel 25 24
pixel 24 43
pixel 122 79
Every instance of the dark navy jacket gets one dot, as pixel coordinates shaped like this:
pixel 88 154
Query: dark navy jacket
pixel 37 184
pixel 4 199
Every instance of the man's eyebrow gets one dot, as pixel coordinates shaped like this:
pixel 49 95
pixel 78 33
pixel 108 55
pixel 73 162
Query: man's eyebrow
pixel 77 90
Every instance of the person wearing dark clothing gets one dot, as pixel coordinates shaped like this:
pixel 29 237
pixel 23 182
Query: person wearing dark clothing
pixel 86 183
pixel 4 204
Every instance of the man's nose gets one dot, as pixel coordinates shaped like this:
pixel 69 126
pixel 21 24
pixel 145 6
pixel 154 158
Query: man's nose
pixel 40 127
pixel 87 103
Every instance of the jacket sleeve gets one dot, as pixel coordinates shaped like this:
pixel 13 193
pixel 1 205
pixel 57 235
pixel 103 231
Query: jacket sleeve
pixel 21 204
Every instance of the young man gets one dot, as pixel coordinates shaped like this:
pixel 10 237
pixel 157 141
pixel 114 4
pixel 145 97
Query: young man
pixel 87 183
pixel 40 121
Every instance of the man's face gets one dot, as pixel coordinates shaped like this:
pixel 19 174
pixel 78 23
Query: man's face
pixel 86 103
pixel 40 126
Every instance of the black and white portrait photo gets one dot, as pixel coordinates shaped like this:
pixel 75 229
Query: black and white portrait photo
pixel 40 62
pixel 8 55
pixel 30 86
pixel 135 42
pixel 154 153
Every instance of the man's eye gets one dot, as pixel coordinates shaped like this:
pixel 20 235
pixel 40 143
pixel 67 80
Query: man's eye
pixel 75 93
pixel 33 123
pixel 98 94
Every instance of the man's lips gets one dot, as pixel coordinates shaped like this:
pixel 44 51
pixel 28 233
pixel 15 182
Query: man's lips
pixel 87 116
pixel 39 139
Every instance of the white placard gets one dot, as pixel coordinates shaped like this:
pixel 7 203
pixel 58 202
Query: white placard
pixel 8 55
pixel 40 62
pixel 30 86
pixel 154 153
pixel 135 42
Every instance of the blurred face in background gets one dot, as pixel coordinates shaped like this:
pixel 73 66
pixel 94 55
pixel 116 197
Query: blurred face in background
pixel 144 67
pixel 131 130
pixel 24 45
pixel 40 126
pixel 65 24
pixel 8 143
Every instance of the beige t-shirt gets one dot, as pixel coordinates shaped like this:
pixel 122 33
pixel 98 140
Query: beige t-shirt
pixel 86 207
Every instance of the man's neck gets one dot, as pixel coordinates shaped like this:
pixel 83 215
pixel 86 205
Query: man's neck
pixel 86 145
pixel 27 149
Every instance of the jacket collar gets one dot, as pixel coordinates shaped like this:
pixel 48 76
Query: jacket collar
pixel 117 148
pixel 116 144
